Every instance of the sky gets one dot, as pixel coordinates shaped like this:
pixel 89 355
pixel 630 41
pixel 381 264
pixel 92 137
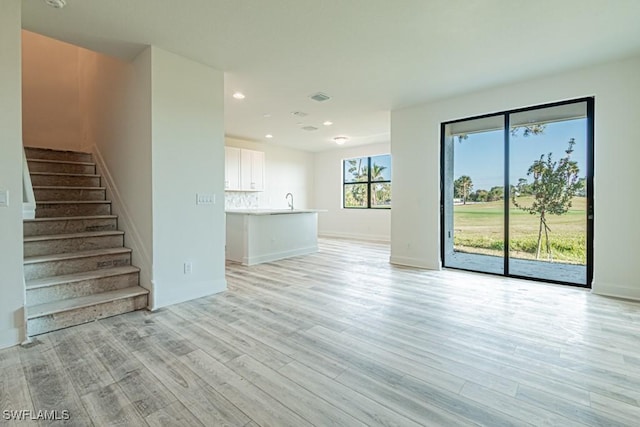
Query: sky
pixel 481 155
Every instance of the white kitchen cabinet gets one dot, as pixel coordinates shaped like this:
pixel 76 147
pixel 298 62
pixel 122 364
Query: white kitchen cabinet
pixel 244 169
pixel 232 166
pixel 252 170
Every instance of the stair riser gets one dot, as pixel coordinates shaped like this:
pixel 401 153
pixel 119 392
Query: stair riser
pixel 57 268
pixel 49 323
pixel 68 226
pixel 72 181
pixel 81 289
pixel 60 168
pixel 60 246
pixel 67 156
pixel 55 210
pixel 71 194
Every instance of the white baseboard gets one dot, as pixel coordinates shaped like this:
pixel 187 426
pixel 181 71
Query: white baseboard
pixel 355 236
pixel 275 256
pixel 616 291
pixel 172 293
pixel 125 222
pixel 412 262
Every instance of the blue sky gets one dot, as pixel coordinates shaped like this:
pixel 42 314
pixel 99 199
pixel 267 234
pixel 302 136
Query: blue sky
pixel 481 156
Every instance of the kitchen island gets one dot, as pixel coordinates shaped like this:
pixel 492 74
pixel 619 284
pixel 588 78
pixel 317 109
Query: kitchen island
pixel 255 236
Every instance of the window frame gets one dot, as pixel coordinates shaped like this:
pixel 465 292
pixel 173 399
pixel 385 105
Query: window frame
pixel 368 183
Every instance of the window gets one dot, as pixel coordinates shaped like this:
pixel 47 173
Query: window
pixel 367 182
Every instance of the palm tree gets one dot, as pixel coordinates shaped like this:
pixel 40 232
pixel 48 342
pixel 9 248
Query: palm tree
pixel 462 187
pixel 376 175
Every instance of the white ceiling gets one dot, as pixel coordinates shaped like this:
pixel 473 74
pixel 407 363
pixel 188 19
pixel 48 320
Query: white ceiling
pixel 370 56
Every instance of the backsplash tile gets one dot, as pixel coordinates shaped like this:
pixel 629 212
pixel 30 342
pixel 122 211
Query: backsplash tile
pixel 241 200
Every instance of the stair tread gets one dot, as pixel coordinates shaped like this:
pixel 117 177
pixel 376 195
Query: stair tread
pixel 29 147
pixel 72 255
pixel 70 218
pixel 71 202
pixel 65 187
pixel 92 175
pixel 74 235
pixel 81 302
pixel 77 277
pixel 61 162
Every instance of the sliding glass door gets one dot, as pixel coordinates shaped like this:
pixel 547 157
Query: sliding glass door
pixel 517 194
pixel 474 216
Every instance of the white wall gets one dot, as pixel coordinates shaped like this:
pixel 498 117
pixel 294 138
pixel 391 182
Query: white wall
pixel 286 171
pixel 415 147
pixel 187 158
pixel 51 107
pixel 366 224
pixel 11 271
pixel 118 115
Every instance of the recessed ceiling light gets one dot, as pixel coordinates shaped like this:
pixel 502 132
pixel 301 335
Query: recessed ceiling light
pixel 58 4
pixel 266 115
pixel 327 123
pixel 340 140
pixel 299 113
pixel 238 95
pixel 268 136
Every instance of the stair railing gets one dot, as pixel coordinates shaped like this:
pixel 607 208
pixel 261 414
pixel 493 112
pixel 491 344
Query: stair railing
pixel 28 199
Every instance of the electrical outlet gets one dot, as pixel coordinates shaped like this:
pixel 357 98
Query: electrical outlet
pixel 188 268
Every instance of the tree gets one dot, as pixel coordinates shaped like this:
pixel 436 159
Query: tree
pixel 479 196
pixel 496 193
pixel 555 183
pixel 462 187
pixel 357 194
pixel 357 169
pixel 532 129
pixel 377 193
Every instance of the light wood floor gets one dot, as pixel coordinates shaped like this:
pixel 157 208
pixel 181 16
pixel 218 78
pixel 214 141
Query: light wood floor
pixel 343 338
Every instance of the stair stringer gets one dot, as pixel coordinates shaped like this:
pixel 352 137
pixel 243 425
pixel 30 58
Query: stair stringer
pixel 140 257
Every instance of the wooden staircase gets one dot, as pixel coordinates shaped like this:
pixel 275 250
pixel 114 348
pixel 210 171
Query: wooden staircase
pixel 76 266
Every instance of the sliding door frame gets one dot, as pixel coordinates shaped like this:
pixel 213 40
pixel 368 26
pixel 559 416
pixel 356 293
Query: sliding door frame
pixel 590 134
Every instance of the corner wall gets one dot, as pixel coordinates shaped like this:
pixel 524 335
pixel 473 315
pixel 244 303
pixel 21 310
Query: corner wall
pixel 415 223
pixel 118 118
pixel 11 261
pixel 187 158
pixel 364 224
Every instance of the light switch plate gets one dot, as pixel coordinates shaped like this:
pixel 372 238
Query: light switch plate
pixel 205 199
pixel 4 198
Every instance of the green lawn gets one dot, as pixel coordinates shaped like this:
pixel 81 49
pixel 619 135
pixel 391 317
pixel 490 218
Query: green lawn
pixel 479 228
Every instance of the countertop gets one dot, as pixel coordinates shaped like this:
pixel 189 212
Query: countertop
pixel 271 211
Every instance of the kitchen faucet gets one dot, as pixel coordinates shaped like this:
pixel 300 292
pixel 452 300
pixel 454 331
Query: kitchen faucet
pixel 290 203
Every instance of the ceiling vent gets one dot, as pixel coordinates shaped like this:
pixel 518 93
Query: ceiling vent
pixel 299 114
pixel 309 128
pixel 320 97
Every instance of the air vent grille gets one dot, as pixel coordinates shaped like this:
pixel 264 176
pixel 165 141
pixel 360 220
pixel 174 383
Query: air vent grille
pixel 320 97
pixel 309 128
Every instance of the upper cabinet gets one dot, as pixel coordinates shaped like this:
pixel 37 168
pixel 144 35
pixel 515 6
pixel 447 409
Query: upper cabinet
pixel 244 169
pixel 231 169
